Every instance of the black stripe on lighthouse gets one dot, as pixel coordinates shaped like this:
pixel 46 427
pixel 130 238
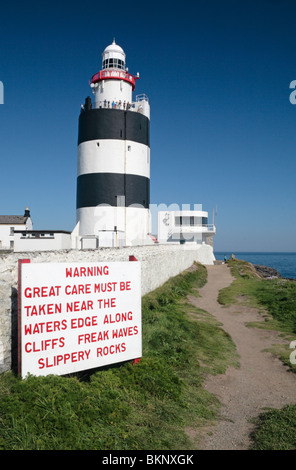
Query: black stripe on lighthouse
pixel 94 189
pixel 101 123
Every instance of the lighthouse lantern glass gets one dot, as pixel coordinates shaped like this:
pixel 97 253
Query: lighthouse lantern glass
pixel 113 57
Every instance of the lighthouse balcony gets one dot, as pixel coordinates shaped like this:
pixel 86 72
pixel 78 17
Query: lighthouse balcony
pixel 141 101
pixel 140 105
pixel 113 74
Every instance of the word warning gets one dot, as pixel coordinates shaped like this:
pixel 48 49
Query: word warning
pixel 75 317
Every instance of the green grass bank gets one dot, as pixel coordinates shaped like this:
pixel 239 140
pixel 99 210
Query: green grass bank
pixel 150 405
pixel 276 300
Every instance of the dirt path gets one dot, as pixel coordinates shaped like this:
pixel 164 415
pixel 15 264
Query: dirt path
pixel 261 381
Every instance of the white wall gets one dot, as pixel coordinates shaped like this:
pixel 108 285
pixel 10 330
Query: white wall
pixel 134 222
pixel 114 89
pixel 158 264
pixel 113 156
pixel 5 236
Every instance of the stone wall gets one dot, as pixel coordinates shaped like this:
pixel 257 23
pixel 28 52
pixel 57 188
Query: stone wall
pixel 158 264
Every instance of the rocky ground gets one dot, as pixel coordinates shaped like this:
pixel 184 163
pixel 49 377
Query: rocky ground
pixel 267 272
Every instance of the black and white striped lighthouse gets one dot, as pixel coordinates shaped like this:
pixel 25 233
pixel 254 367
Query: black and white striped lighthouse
pixel 113 180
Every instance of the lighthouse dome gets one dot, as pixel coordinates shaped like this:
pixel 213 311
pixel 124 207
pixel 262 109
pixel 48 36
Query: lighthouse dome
pixel 113 57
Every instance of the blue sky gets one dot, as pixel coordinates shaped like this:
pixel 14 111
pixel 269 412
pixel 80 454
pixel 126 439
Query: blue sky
pixel 217 74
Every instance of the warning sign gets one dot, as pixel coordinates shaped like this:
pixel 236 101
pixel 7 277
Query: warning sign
pixel 76 317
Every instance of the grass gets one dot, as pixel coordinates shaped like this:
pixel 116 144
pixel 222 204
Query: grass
pixel 276 430
pixel 143 406
pixel 276 300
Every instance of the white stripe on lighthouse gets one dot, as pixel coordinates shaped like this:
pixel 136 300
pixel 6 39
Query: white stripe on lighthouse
pixel 113 156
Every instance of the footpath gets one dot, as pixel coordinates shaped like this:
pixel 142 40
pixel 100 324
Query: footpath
pixel 261 381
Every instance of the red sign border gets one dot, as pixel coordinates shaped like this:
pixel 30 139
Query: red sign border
pixel 19 316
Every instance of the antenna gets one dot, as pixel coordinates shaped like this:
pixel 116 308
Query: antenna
pixel 215 213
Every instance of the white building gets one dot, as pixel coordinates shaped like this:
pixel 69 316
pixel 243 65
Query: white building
pixel 17 234
pixel 9 224
pixel 41 240
pixel 185 226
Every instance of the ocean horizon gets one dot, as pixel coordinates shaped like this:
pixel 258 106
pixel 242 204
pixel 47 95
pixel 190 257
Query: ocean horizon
pixel 283 262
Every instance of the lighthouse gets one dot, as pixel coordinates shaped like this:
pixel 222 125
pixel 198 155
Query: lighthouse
pixel 113 168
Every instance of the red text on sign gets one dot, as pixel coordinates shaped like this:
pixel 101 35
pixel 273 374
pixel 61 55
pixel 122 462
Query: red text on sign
pixel 125 285
pixel 79 306
pixel 45 327
pixel 105 287
pixel 87 271
pixel 107 303
pixel 121 332
pixel 81 322
pixel 93 337
pixel 63 359
pixel 44 309
pixel 118 317
pixel 113 349
pixel 78 289
pixel 44 345
pixel 44 291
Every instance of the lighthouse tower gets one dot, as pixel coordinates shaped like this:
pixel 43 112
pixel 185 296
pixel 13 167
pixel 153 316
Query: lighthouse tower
pixel 113 171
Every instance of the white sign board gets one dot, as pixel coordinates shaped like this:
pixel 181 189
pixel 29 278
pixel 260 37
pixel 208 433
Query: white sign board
pixel 78 316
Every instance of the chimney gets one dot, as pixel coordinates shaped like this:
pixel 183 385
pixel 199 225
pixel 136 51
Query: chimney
pixel 27 212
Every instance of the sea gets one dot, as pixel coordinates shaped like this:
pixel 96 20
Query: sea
pixel 284 263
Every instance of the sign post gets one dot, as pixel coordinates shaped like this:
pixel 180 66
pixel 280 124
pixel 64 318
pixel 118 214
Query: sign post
pixel 78 316
pixel 19 337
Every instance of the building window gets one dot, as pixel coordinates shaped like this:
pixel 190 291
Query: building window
pixel 11 231
pixel 129 148
pixel 196 221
